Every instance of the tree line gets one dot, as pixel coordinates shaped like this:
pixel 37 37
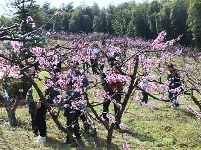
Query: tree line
pixel 130 19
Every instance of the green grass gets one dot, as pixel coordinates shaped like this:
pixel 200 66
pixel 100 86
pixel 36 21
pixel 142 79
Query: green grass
pixel 159 128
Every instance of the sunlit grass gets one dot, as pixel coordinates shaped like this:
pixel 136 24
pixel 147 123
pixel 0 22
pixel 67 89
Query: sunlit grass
pixel 157 128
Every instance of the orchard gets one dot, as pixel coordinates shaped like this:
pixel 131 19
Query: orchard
pixel 24 44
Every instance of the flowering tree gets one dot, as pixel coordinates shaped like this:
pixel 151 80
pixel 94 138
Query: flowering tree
pixel 135 58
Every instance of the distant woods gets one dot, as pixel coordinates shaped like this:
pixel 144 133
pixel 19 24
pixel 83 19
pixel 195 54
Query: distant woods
pixel 132 19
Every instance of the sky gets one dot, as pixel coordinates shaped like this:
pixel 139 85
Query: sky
pixel 57 3
pixel 101 3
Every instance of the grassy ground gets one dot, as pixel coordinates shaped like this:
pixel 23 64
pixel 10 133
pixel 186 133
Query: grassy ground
pixel 158 128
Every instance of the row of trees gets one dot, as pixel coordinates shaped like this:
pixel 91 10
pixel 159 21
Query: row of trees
pixel 27 44
pixel 133 19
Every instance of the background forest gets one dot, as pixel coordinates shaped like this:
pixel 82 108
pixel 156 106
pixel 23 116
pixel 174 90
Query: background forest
pixel 126 30
pixel 144 20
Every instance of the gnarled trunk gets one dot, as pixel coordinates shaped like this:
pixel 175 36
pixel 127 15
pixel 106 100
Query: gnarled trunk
pixel 11 116
pixel 109 136
pixel 11 109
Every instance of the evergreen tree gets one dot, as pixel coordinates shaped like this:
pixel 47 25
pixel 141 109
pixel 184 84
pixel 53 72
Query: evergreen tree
pixel 194 21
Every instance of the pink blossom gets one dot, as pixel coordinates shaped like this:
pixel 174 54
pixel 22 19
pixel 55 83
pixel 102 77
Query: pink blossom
pixel 41 61
pixel 123 126
pixel 161 98
pixel 192 110
pixel 150 106
pixel 59 97
pixel 58 13
pixel 178 52
pixel 50 53
pixel 198 115
pixel 15 69
pixel 167 83
pixel 29 19
pixel 102 118
pixel 159 44
pixel 137 96
pixel 30 59
pixel 153 86
pixel 162 87
pixel 179 37
pixel 126 146
pixel 66 105
pixel 17 24
pixel 48 34
pixel 173 90
pixel 37 51
pixel 15 45
pixel 33 25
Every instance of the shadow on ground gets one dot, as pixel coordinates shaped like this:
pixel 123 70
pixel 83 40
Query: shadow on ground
pixel 87 143
pixel 140 136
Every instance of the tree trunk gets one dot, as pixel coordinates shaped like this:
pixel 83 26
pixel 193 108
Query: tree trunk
pixel 11 116
pixel 11 110
pixel 109 136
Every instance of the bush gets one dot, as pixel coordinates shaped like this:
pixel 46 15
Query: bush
pixel 17 88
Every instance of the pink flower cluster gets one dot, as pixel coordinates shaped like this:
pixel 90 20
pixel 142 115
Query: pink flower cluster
pixel 15 45
pixel 126 146
pixel 179 51
pixel 48 33
pixel 159 39
pixel 113 50
pixel 30 60
pixel 77 86
pixel 159 44
pixel 112 77
pixel 111 117
pixel 29 19
pixel 98 92
pixel 33 25
pixel 178 89
pixel 192 110
pixel 58 13
pixel 37 51
pixel 30 22
pixel 123 126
